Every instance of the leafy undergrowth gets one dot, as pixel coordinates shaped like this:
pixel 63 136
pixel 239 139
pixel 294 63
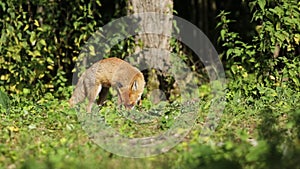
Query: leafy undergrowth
pixel 252 133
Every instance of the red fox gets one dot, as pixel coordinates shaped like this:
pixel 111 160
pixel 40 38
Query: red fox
pixel 112 72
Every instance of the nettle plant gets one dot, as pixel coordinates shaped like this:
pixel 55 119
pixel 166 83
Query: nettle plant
pixel 271 59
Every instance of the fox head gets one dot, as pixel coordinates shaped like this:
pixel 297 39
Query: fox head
pixel 131 94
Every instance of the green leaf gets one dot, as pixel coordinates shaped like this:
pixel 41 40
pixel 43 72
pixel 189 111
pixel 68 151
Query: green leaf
pixel 32 38
pixel 26 91
pixel 49 60
pixel 43 42
pixel 223 33
pixel 34 53
pixel 262 4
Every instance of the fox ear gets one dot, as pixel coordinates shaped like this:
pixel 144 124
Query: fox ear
pixel 134 86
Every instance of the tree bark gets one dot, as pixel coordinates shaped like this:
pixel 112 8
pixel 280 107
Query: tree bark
pixel 163 25
pixel 153 48
pixel 160 25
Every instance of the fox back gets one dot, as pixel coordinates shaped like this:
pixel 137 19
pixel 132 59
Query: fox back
pixel 112 72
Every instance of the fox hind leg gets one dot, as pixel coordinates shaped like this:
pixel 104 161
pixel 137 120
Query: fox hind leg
pixel 92 95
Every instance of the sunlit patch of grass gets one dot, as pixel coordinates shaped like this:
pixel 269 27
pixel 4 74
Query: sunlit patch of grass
pixel 48 134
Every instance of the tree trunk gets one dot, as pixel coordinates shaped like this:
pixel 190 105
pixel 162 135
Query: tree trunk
pixel 163 25
pixel 153 48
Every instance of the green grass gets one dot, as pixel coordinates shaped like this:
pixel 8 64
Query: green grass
pixel 252 133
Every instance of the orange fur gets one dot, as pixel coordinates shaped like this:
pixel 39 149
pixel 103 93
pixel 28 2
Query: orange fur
pixel 112 72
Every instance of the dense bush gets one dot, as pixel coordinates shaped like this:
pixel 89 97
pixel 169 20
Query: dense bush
pixel 272 58
pixel 40 40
